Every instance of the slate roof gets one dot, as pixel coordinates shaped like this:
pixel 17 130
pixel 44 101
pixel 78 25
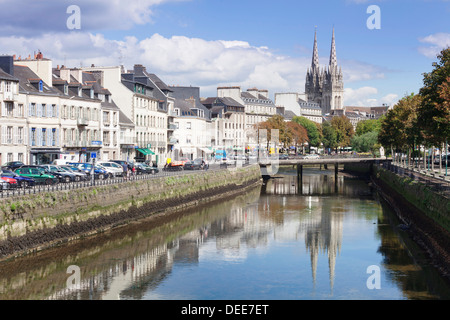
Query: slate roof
pixel 6 76
pixel 28 81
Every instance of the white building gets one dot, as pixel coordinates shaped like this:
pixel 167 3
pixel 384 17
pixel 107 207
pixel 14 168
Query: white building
pixel 193 131
pixel 13 123
pixel 295 103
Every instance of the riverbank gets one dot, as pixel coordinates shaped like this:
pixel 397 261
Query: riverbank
pixel 425 215
pixel 35 222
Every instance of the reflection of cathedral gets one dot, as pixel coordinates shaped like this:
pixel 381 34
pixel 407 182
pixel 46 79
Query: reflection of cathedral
pixel 324 234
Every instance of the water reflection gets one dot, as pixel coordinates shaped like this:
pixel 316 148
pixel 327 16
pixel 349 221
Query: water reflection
pixel 270 243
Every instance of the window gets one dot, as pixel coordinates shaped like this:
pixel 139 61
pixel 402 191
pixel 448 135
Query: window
pixel 7 86
pixel 33 136
pixel 9 109
pixel 20 157
pixel 54 137
pixel 20 135
pixel 20 110
pixel 10 157
pixel 54 113
pixel 188 125
pixel 9 135
pixel 41 86
pixel 44 137
pixel 33 109
pixel 44 110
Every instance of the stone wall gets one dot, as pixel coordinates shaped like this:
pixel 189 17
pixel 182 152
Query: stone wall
pixel 33 221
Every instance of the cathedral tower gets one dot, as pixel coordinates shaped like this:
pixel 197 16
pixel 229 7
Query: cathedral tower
pixel 325 87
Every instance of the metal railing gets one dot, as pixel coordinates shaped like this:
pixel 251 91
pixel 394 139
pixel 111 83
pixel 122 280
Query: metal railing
pixel 61 186
pixel 438 184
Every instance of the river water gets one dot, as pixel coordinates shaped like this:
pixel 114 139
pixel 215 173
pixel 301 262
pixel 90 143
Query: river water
pixel 327 240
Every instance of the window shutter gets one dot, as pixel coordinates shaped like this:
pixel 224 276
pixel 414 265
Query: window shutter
pixel 39 136
pixel 4 137
pixel 3 109
pixel 57 137
pixel 15 135
pixel 49 137
pixel 31 136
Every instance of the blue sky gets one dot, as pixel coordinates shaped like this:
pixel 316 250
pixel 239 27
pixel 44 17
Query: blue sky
pixel 264 44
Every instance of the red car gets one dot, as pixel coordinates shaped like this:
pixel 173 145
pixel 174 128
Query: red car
pixel 12 182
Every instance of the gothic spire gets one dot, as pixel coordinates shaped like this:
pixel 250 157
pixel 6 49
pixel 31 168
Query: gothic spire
pixel 315 58
pixel 333 59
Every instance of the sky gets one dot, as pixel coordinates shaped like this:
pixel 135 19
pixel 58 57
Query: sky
pixel 264 44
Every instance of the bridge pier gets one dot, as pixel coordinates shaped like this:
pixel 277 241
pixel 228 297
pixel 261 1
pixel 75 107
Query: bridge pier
pixel 300 175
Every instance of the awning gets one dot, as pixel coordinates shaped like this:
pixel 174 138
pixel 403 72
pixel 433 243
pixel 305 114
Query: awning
pixel 46 151
pixel 146 151
pixel 206 150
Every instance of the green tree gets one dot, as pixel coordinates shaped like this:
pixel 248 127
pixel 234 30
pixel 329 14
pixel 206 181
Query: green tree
pixel 329 139
pixel 311 128
pixel 367 142
pixel 344 130
pixel 399 128
pixel 434 111
pixel 368 126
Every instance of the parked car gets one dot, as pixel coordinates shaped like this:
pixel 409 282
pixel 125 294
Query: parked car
pixel 3 185
pixel 80 175
pixel 11 181
pixel 12 165
pixel 37 174
pixel 23 182
pixel 99 173
pixel 311 157
pixel 142 168
pixel 62 175
pixel 196 164
pixel 113 168
pixel 283 156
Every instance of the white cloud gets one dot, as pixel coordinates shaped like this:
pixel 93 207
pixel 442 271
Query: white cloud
pixel 438 41
pixel 36 17
pixel 367 96
pixel 180 60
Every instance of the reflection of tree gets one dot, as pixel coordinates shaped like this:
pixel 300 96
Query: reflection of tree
pixel 400 254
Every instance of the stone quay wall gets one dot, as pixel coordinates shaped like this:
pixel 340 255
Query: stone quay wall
pixel 37 221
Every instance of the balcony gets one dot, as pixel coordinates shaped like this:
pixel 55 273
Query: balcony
pixel 9 96
pixel 82 122
pixel 172 127
pixel 128 140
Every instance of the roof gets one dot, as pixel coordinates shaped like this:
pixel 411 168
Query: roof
pixel 6 76
pixel 27 78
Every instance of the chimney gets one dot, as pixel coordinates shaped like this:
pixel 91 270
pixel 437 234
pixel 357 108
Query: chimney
pixel 7 64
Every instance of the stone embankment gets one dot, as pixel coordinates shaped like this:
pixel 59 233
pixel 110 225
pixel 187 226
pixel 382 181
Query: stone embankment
pixel 425 214
pixel 35 222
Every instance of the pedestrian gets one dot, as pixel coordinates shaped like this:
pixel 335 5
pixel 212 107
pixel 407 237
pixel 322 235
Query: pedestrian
pixel 125 170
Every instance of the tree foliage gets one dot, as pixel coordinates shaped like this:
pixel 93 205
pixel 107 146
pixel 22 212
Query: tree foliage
pixel 399 127
pixel 311 128
pixel 434 111
pixel 329 139
pixel 344 130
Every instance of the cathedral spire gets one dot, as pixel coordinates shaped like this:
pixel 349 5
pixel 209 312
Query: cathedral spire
pixel 333 59
pixel 315 58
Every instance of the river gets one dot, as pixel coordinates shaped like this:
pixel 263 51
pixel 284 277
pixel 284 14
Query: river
pixel 327 240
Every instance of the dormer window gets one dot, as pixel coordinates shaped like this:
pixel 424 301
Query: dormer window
pixel 66 89
pixel 80 92
pixel 41 86
pixel 92 93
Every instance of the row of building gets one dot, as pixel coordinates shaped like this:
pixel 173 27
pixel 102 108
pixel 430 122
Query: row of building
pixel 109 113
